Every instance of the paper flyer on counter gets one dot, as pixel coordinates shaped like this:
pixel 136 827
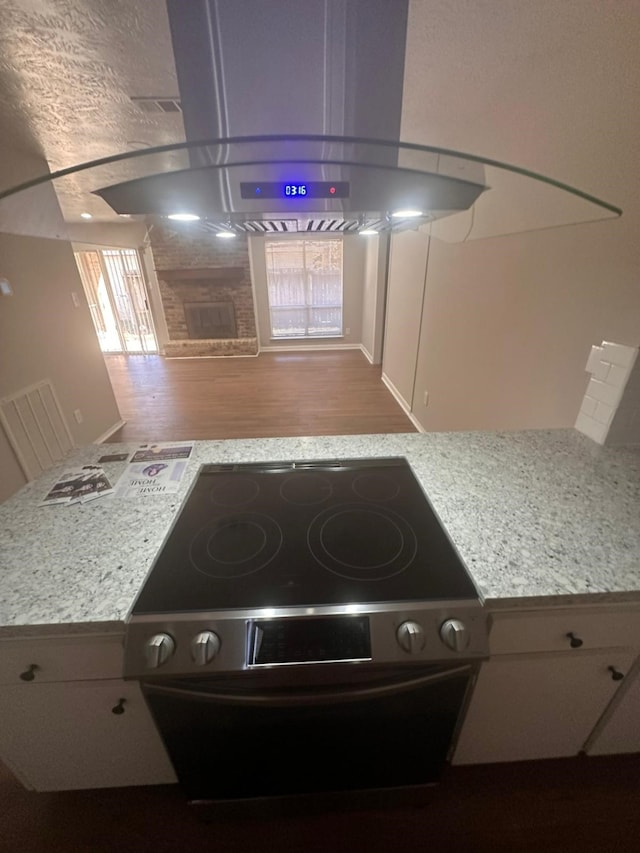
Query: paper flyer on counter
pixel 155 469
pixel 78 485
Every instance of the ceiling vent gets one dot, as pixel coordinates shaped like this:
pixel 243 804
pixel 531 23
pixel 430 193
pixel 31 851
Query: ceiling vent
pixel 157 105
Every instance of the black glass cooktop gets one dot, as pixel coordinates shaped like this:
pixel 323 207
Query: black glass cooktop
pixel 304 533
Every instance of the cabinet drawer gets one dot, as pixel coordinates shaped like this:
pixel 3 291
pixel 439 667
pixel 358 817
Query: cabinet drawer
pixel 61 658
pixel 548 630
pixel 62 736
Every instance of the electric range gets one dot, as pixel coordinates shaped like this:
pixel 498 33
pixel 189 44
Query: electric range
pixel 285 564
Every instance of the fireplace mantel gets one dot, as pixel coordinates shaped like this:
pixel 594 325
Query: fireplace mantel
pixel 213 274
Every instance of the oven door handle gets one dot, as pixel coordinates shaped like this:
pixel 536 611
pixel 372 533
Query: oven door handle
pixel 309 698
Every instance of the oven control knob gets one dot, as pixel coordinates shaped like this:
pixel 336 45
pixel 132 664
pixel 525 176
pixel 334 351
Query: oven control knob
pixel 159 649
pixel 455 635
pixel 411 637
pixel 204 647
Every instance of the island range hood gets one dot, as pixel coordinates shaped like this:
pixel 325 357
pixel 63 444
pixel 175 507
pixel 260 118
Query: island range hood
pixel 303 98
pixel 328 184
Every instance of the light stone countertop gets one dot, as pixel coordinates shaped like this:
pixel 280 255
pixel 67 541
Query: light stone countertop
pixel 539 517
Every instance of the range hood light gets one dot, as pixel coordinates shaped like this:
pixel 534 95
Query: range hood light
pixel 367 232
pixel 407 214
pixel 226 235
pixel 86 215
pixel 184 217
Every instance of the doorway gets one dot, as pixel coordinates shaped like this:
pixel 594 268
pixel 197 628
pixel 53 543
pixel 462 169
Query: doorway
pixel 115 288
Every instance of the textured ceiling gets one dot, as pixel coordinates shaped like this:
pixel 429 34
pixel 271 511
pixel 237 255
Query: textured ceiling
pixel 68 69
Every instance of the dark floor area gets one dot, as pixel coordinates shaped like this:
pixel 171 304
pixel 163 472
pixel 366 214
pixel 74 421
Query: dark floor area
pixel 574 805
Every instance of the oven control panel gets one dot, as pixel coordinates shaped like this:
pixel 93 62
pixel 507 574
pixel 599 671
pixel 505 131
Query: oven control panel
pixel 227 641
pixel 326 639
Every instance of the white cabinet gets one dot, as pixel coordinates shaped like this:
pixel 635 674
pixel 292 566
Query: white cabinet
pixel 59 731
pixel 65 735
pixel 552 676
pixel 619 730
pixel 538 706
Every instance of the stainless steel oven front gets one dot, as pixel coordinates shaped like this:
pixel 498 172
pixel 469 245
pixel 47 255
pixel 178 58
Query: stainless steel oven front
pixel 311 713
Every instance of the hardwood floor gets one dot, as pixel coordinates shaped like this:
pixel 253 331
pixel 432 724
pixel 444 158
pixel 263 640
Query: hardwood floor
pixel 274 394
pixel 579 805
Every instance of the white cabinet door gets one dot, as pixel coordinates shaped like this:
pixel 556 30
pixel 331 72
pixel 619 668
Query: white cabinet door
pixel 65 735
pixel 538 706
pixel 621 729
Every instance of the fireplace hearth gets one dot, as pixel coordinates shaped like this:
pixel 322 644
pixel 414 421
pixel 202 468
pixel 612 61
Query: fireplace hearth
pixel 210 320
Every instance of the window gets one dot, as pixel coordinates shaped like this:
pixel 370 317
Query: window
pixel 304 283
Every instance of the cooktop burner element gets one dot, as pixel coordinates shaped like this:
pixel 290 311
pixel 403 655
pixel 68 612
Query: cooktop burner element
pixel 362 542
pixel 234 546
pixel 235 492
pixel 375 487
pixel 306 489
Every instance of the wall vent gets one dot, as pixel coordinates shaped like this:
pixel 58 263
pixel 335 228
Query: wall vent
pixel 157 105
pixel 36 428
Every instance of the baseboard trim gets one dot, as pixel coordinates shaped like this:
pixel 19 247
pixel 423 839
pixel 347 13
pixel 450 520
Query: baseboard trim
pixel 367 354
pixel 105 435
pixel 315 347
pixel 192 357
pixel 402 403
pixel 415 422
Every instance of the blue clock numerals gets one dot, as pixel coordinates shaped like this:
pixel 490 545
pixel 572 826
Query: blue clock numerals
pixel 295 189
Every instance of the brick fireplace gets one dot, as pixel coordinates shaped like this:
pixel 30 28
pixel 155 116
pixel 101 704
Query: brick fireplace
pixel 205 285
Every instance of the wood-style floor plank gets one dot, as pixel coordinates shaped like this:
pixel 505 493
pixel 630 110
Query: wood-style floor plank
pixel 271 395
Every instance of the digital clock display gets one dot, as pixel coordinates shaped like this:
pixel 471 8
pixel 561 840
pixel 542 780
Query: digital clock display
pixel 294 189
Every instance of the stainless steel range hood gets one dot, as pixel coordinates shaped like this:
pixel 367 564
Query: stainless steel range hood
pixel 315 72
pixel 255 184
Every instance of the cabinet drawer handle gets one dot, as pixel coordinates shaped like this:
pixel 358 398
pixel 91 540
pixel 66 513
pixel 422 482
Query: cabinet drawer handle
pixel 576 642
pixel 29 674
pixel 119 708
pixel 616 675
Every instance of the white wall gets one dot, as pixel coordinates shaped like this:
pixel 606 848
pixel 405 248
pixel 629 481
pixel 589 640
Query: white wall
pixel 12 477
pixel 43 336
pixel 353 274
pixel 124 235
pixel 374 296
pixel 405 288
pixel 508 322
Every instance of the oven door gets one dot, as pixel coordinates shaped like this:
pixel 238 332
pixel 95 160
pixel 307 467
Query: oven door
pixel 248 737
